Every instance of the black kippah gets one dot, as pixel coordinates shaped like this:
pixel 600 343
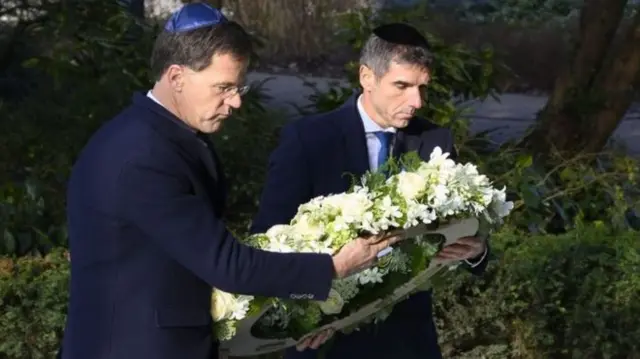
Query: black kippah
pixel 400 34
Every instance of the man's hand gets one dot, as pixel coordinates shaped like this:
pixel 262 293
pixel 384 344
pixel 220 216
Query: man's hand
pixel 463 249
pixel 361 253
pixel 315 341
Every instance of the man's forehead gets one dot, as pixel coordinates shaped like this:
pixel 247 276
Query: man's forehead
pixel 227 68
pixel 408 73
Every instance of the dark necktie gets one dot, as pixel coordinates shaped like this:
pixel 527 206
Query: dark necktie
pixel 385 146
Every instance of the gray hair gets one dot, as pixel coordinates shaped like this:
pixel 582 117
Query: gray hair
pixel 395 42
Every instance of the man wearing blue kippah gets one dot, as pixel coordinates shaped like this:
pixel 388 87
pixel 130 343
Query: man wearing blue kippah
pixel 374 124
pixel 144 207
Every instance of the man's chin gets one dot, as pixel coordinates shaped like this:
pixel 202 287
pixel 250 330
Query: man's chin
pixel 212 126
pixel 401 122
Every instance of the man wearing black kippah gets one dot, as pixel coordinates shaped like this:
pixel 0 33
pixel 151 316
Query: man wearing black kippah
pixel 144 207
pixel 315 152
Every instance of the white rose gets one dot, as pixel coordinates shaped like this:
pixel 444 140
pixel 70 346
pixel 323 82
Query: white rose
pixel 222 305
pixel 410 184
pixel 352 206
pixel 304 228
pixel 333 304
pixel 279 230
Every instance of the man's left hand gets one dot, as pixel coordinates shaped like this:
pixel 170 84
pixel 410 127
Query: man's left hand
pixel 465 248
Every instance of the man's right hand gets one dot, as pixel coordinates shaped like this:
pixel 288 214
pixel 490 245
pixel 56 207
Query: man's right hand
pixel 361 253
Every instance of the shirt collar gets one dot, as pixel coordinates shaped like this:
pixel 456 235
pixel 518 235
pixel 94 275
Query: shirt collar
pixel 182 124
pixel 369 125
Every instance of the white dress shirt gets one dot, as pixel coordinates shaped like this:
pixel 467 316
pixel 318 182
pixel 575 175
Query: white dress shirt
pixel 373 143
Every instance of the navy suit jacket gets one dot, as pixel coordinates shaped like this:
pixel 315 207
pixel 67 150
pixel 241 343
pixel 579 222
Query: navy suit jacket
pixel 313 157
pixel 145 200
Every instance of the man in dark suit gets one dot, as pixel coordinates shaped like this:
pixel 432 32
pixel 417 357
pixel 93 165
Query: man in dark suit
pixel 316 152
pixel 145 201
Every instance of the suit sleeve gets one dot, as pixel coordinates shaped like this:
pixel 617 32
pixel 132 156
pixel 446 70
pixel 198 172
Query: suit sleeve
pixel 287 185
pixel 478 265
pixel 158 200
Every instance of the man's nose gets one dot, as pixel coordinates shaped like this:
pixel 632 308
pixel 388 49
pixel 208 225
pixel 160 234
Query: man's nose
pixel 415 98
pixel 234 101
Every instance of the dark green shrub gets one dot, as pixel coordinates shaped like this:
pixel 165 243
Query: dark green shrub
pixel 567 296
pixel 33 302
pixel 87 71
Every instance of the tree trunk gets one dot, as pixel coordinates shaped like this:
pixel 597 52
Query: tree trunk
pixel 617 82
pixel 592 94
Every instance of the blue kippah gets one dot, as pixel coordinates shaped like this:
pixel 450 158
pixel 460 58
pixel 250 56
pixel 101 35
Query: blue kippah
pixel 194 16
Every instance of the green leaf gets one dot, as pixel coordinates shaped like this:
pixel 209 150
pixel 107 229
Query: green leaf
pixel 524 161
pixel 30 63
pixel 530 195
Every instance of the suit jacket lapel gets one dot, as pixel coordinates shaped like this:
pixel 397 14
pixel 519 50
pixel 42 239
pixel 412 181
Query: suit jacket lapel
pixel 214 168
pixel 399 145
pixel 198 147
pixel 409 139
pixel 354 138
pixel 209 157
pixel 412 143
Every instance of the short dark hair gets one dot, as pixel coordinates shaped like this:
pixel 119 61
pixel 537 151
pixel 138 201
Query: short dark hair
pixel 195 48
pixel 395 42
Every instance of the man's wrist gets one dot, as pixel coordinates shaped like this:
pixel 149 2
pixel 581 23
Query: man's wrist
pixel 338 268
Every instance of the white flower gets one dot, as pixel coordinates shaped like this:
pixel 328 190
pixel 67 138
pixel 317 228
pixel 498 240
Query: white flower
pixel 371 275
pixel 410 184
pixel 352 206
pixel 499 204
pixel 439 159
pixel 222 305
pixel 333 304
pixel 241 307
pixel 389 214
pixel 439 195
pixel 304 227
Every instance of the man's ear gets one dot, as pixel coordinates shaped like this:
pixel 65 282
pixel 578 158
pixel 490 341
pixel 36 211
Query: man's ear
pixel 367 78
pixel 175 76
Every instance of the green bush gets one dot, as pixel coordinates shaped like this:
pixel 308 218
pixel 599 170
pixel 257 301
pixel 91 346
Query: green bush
pixel 33 302
pixel 573 295
pixel 86 72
